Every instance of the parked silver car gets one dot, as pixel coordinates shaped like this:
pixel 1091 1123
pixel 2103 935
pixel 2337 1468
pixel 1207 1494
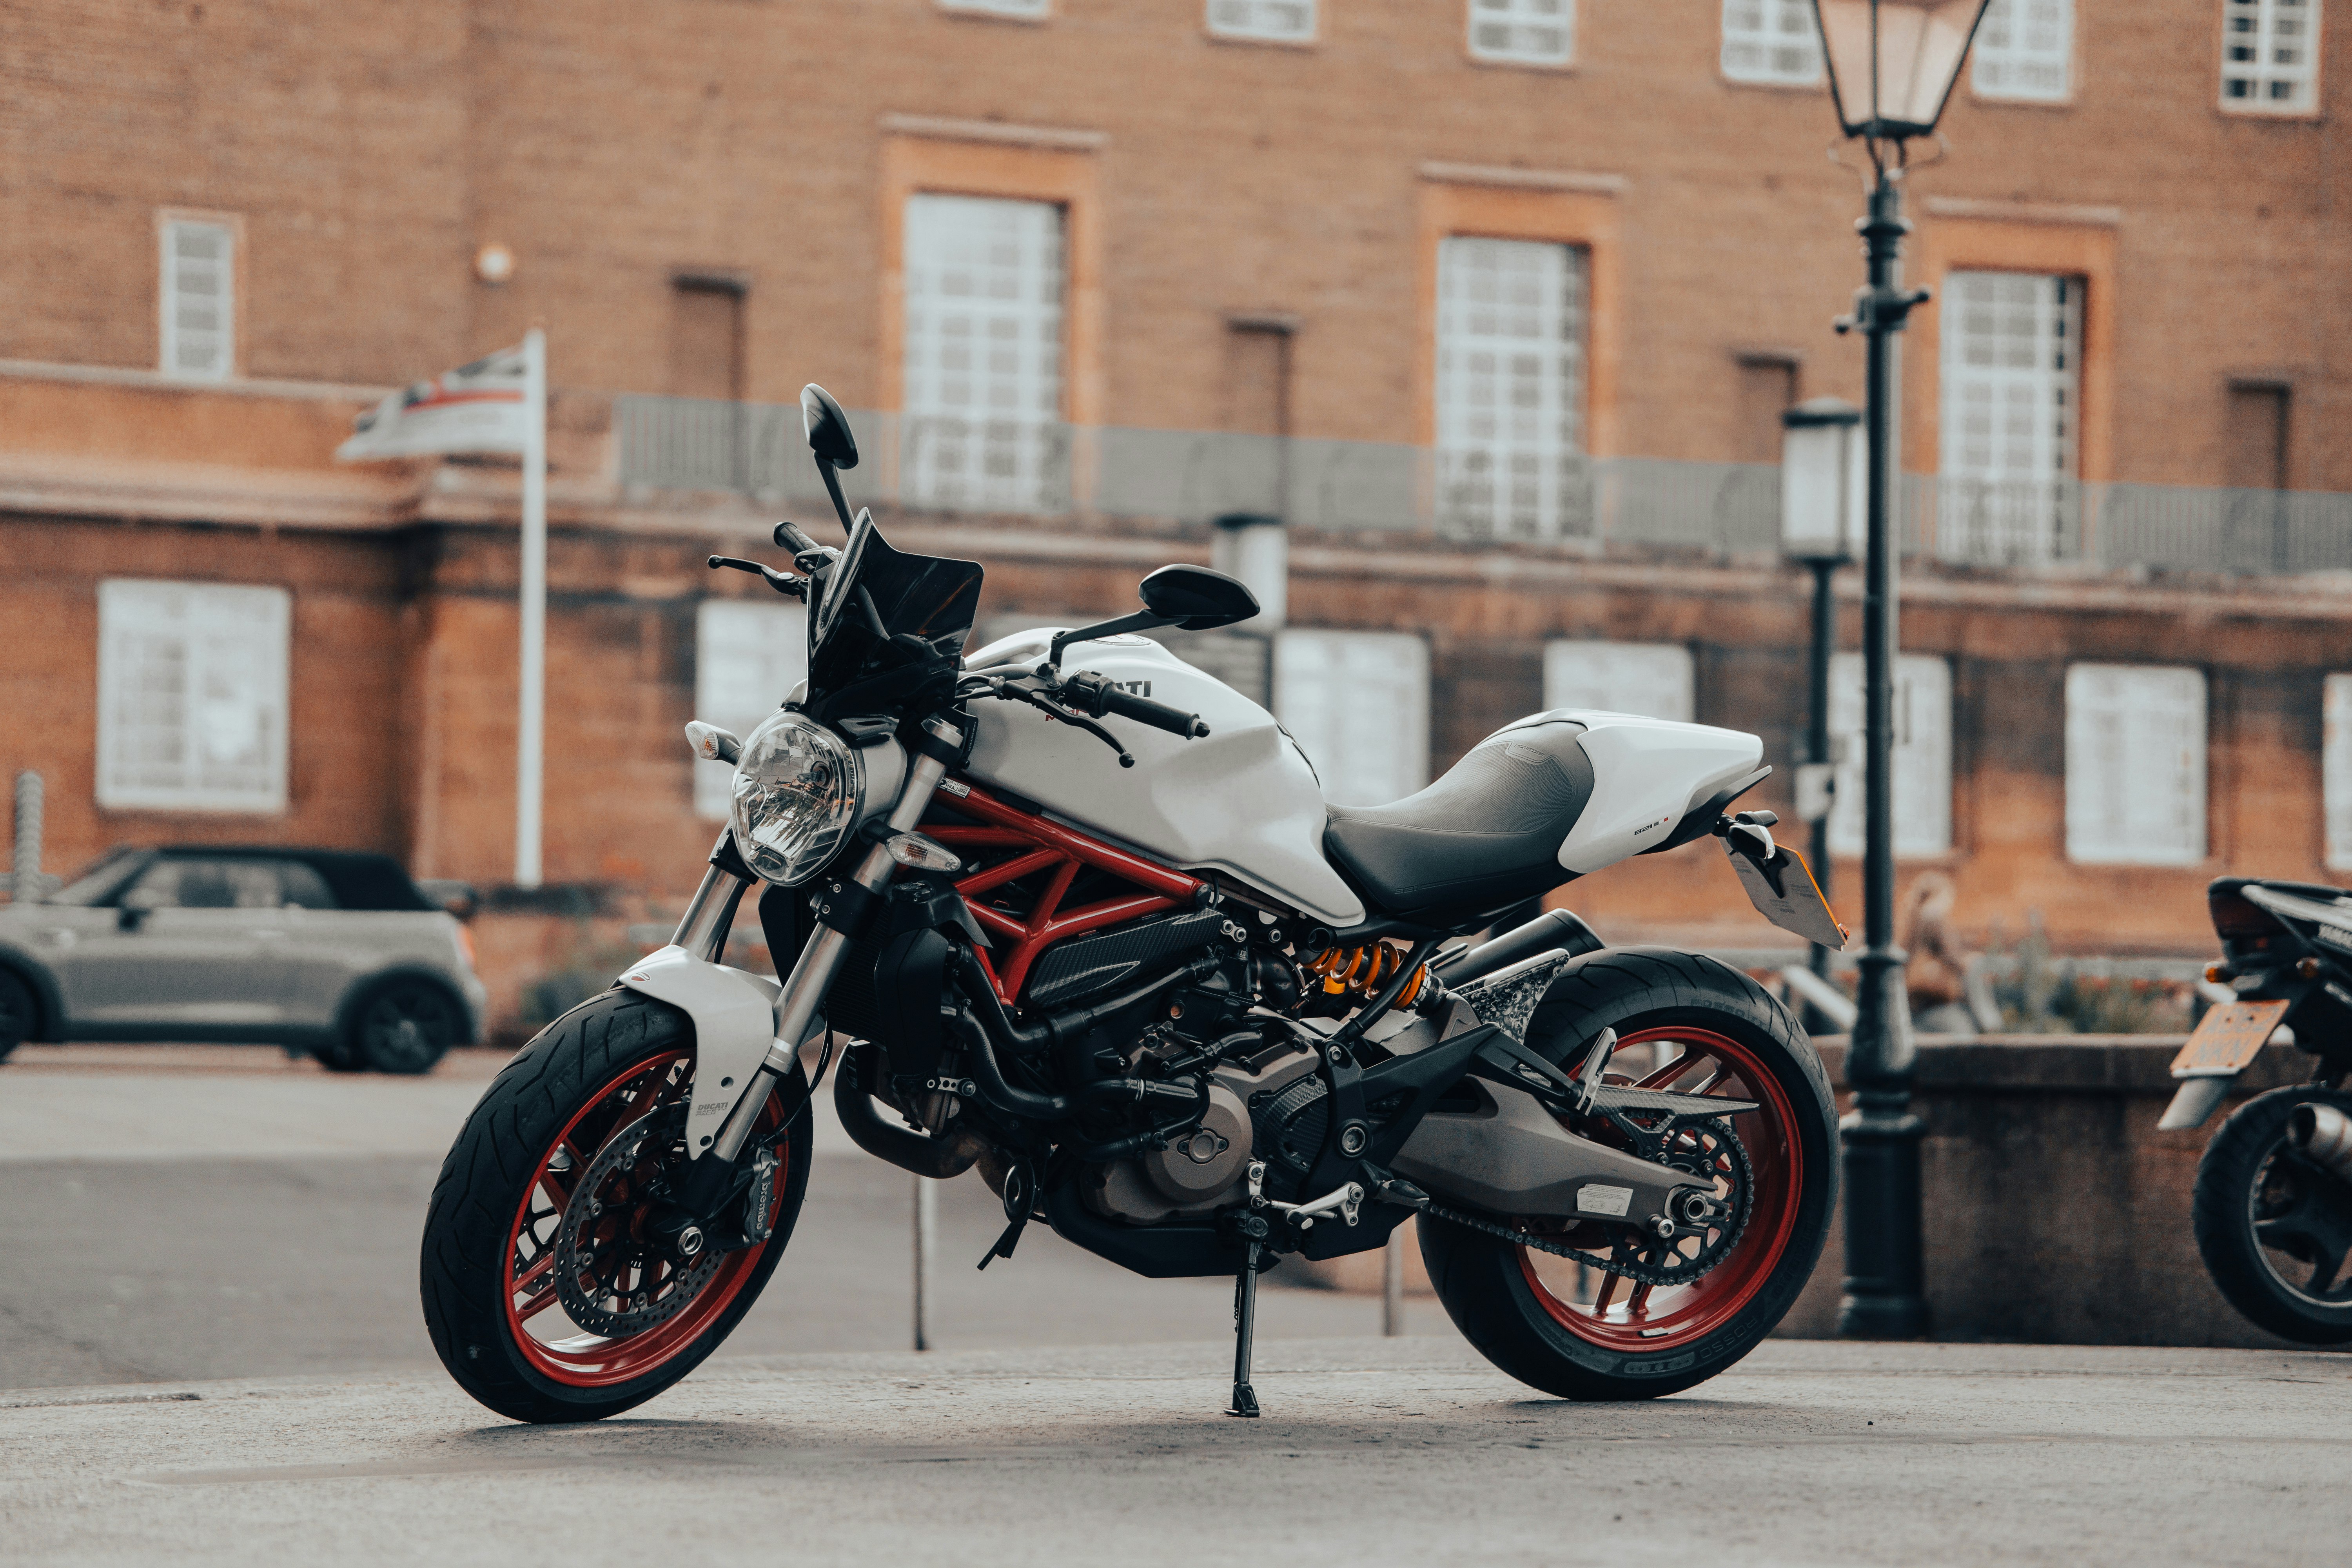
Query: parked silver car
pixel 325 951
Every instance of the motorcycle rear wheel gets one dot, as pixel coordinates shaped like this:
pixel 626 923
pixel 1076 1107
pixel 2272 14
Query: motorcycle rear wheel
pixel 1687 1023
pixel 491 1246
pixel 2269 1222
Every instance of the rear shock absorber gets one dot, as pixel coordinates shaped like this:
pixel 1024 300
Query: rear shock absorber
pixel 1357 972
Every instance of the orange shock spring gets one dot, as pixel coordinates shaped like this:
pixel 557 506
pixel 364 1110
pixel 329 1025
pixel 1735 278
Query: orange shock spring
pixel 1358 972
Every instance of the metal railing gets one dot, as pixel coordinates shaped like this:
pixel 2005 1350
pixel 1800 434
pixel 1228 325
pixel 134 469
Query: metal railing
pixel 1046 469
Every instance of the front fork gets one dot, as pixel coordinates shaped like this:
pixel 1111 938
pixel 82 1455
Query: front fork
pixel 820 962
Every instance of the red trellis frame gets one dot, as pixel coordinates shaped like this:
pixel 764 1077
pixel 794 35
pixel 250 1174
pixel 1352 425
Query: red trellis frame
pixel 1050 848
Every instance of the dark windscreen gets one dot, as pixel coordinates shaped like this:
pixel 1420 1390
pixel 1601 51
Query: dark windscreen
pixel 927 596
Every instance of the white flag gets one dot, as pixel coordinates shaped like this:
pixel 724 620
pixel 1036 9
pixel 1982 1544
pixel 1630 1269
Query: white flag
pixel 478 407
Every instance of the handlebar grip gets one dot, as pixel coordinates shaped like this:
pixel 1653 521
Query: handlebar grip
pixel 1159 715
pixel 793 539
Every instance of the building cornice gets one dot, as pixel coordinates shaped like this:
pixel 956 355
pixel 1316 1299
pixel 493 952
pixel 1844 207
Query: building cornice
pixel 155 380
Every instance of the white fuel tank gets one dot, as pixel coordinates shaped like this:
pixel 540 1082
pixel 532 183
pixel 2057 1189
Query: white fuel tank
pixel 1242 800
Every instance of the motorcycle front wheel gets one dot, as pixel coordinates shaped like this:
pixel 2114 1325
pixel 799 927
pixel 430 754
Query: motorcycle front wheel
pixel 547 1310
pixel 2273 1225
pixel 1684 1310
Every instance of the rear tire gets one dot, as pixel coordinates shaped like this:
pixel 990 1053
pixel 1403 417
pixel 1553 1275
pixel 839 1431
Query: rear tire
pixel 495 1319
pixel 2247 1175
pixel 1582 1333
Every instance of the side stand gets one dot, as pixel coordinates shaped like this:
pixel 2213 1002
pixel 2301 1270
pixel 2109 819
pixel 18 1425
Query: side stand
pixel 1244 1328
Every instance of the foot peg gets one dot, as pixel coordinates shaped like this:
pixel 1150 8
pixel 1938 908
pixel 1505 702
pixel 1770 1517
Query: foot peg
pixel 1344 1201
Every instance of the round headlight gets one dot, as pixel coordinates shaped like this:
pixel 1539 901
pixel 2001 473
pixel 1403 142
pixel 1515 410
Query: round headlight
pixel 796 795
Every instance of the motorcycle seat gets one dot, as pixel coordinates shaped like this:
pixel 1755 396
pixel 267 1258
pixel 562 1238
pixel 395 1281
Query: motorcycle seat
pixel 1486 834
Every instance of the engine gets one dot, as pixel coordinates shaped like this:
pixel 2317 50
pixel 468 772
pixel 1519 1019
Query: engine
pixel 1268 1103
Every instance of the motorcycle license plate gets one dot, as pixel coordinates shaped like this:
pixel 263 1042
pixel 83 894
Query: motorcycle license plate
pixel 1796 904
pixel 2228 1038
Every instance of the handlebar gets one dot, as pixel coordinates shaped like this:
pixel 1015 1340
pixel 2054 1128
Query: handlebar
pixel 1095 695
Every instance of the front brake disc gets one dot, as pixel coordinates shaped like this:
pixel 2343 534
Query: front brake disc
pixel 613 1278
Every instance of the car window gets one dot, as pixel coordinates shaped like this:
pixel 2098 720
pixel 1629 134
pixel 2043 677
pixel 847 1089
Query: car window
pixel 195 884
pixel 302 886
pixel 97 884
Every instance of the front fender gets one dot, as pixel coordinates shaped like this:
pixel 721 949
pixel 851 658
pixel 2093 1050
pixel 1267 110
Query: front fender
pixel 734 1014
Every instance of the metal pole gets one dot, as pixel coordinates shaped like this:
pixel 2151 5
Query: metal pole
pixel 1884 1295
pixel 25 882
pixel 1817 728
pixel 1392 1285
pixel 927 1225
pixel 530 720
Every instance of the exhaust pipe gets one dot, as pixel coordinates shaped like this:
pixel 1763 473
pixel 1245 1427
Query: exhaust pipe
pixel 938 1158
pixel 2324 1135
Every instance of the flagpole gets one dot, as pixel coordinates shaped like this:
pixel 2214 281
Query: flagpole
pixel 531 726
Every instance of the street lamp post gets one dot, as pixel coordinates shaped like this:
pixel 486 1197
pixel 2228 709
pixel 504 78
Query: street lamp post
pixel 1892 66
pixel 1823 503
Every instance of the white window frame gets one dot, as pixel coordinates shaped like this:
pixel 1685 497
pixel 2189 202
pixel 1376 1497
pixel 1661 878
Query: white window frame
pixel 748 657
pixel 1011 10
pixel 229 644
pixel 2127 726
pixel 1514 377
pixel 175 333
pixel 1261 21
pixel 2266 22
pixel 1524 25
pixel 1654 679
pixel 2018 45
pixel 1923 755
pixel 1358 705
pixel 1758 43
pixel 986 353
pixel 2011 410
pixel 2336 768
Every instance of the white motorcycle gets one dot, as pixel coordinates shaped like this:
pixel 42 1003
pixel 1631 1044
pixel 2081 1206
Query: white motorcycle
pixel 1079 916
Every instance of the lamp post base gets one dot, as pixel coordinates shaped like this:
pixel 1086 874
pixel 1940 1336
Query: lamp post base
pixel 1883 1298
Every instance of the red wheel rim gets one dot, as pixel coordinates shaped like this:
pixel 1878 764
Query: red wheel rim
pixel 549 1339
pixel 1615 1312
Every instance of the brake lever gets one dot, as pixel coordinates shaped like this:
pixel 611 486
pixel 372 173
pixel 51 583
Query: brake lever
pixel 1053 710
pixel 781 582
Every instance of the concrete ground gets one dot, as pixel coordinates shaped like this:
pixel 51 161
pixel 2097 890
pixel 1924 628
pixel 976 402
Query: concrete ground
pixel 1387 1451
pixel 209 1352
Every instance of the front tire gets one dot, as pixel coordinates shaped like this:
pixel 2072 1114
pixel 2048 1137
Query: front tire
pixel 1690 1023
pixel 495 1230
pixel 2271 1226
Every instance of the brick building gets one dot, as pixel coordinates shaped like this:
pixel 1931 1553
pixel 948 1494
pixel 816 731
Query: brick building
pixel 1495 302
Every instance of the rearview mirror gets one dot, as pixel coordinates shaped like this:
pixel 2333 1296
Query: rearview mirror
pixel 1197 599
pixel 827 428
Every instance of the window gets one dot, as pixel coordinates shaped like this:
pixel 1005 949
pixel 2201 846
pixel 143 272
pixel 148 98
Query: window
pixel 1358 704
pixel 1033 10
pixel 199 307
pixel 1923 755
pixel 1277 21
pixel 2024 49
pixel 1771 41
pixel 984 353
pixel 2335 769
pixel 2135 764
pixel 1511 386
pixel 192 696
pixel 2013 371
pixel 706 338
pixel 179 882
pixel 1653 679
pixel 1523 32
pixel 748 657
pixel 2270 53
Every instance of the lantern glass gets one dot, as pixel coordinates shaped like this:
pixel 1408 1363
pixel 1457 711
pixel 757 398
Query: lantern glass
pixel 1823 479
pixel 1892 62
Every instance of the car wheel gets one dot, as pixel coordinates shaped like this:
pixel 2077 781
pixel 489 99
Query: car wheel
pixel 19 1014
pixel 402 1026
